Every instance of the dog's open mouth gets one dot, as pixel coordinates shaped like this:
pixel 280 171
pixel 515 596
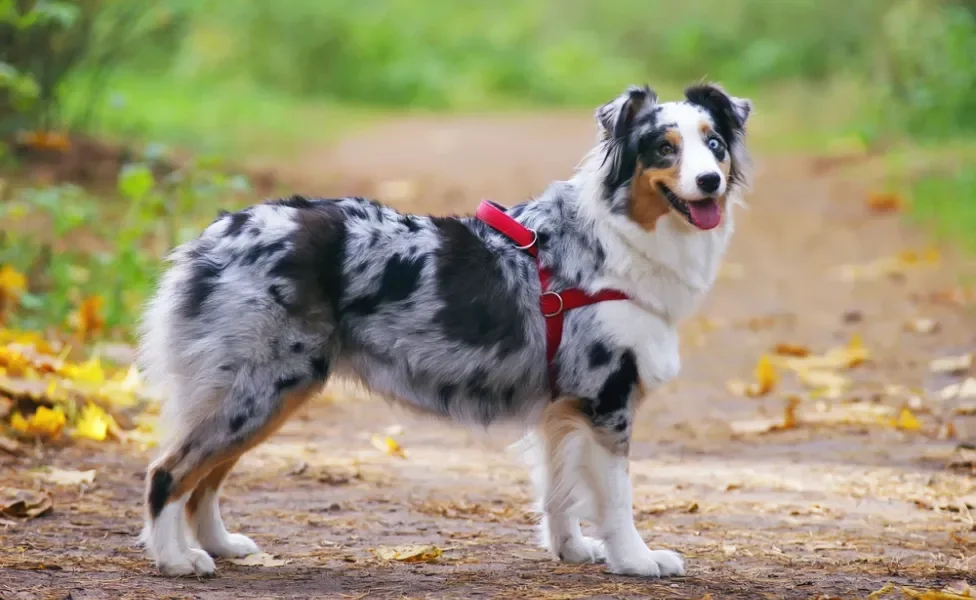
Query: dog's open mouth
pixel 703 214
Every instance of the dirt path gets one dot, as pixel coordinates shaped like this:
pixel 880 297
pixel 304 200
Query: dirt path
pixel 830 510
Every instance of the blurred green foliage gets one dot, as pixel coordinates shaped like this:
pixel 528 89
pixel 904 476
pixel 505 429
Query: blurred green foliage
pixel 913 57
pixel 72 245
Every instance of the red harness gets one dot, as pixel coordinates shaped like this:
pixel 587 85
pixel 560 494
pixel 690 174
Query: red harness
pixel 553 304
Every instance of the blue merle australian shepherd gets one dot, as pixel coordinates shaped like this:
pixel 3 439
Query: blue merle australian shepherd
pixel 559 313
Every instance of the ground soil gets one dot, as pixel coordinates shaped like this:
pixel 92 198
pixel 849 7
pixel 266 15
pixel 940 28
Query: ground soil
pixel 804 513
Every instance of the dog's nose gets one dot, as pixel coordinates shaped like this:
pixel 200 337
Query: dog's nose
pixel 708 182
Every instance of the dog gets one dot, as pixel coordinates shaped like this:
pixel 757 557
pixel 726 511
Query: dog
pixel 442 314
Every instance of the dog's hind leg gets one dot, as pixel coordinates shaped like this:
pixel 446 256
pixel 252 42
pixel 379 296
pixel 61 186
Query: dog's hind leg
pixel 203 514
pixel 257 404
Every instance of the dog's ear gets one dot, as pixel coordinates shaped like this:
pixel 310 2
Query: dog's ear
pixel 616 116
pixel 729 113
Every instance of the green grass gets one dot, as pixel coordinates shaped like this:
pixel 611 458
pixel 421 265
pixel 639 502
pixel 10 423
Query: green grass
pixel 944 200
pixel 233 120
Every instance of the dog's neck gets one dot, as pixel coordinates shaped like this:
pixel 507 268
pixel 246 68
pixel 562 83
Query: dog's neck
pixel 668 270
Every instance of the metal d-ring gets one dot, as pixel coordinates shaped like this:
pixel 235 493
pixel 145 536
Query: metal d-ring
pixel 558 310
pixel 535 238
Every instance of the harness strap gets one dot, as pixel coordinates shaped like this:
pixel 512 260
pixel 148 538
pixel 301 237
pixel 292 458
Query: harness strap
pixel 553 304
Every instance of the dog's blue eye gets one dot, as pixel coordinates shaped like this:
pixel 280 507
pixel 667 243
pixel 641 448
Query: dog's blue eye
pixel 714 143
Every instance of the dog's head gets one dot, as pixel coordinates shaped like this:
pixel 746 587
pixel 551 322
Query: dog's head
pixel 681 160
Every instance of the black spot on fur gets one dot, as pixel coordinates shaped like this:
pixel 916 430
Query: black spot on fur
pixel 275 291
pixel 237 422
pixel 298 347
pixel 445 394
pixel 201 284
pixel 478 309
pixel 255 252
pixel 477 386
pixel 226 367
pixel 360 268
pixel 159 489
pixel 357 212
pixel 599 355
pixel 254 232
pixel 401 276
pixel 619 385
pixel 374 238
pixel 320 367
pixel 237 222
pixel 509 396
pixel 314 264
pixel 287 382
pixel 295 201
pixel 411 223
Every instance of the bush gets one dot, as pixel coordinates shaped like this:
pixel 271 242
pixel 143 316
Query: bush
pixel 43 42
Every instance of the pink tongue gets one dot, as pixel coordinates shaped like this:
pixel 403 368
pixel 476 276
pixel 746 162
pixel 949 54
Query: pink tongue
pixel 705 214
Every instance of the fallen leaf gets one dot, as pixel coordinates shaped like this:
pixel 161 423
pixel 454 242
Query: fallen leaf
pixel 952 365
pixel 88 319
pixel 410 554
pixel 24 504
pixel 786 349
pixel 884 202
pixel 766 425
pixel 64 477
pixel 94 423
pixel 765 374
pixel 922 326
pixel 261 559
pixel 963 390
pixel 45 421
pixel 388 445
pixel 906 421
pixel 933 594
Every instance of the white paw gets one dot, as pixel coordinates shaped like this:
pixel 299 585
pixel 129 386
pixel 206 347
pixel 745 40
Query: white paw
pixel 650 563
pixel 191 562
pixel 233 545
pixel 582 550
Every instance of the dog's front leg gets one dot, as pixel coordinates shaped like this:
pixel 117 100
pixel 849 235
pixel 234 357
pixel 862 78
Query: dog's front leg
pixel 584 474
pixel 626 551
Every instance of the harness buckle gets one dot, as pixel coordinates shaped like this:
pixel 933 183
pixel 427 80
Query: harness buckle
pixel 558 310
pixel 535 238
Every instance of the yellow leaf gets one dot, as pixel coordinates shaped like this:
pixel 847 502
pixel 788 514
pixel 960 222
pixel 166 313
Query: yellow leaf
pixel 906 421
pixel 18 422
pixel 88 320
pixel 94 423
pixel 12 282
pixel 44 421
pixel 410 554
pixel 388 445
pixel 766 376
